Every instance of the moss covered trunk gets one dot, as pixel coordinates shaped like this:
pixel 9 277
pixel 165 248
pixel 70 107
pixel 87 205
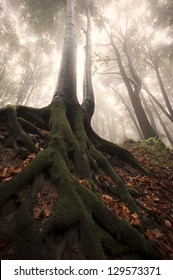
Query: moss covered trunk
pixel 54 208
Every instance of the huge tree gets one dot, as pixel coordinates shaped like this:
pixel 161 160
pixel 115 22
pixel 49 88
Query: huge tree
pixel 64 170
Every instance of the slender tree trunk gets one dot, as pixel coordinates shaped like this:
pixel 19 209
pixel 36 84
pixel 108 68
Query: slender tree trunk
pixel 138 129
pixel 88 92
pixel 66 85
pixel 144 124
pixel 150 115
pixel 167 133
pixel 157 102
pixel 164 93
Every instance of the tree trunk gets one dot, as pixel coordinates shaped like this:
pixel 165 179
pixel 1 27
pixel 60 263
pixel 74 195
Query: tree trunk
pixel 138 130
pixel 149 113
pixel 144 124
pixel 167 133
pixel 88 92
pixel 163 91
pixel 157 102
pixel 66 85
pixel 52 208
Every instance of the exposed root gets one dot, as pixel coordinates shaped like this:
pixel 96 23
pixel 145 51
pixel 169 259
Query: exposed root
pixel 29 127
pixel 77 215
pixel 18 138
pixel 113 149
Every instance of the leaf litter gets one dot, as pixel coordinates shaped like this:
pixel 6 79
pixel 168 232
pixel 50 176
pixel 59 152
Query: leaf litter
pixel 155 193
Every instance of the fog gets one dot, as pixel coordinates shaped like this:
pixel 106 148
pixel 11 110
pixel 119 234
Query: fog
pixel 31 45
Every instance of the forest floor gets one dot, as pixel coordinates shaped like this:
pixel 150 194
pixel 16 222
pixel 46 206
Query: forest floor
pixel 153 194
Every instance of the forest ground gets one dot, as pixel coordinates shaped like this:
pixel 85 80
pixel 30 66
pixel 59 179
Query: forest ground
pixel 153 194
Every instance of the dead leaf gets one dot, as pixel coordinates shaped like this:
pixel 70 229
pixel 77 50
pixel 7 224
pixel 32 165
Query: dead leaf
pixel 144 179
pixel 168 224
pixel 4 172
pixel 46 210
pixel 156 198
pixel 7 179
pixel 37 145
pixel 124 207
pixel 135 215
pixel 15 169
pixel 31 156
pixel 130 185
pixel 107 197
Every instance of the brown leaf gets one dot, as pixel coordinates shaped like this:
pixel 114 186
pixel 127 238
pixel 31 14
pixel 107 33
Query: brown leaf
pixel 15 169
pixel 37 145
pixel 106 197
pixel 46 210
pixel 154 234
pixel 31 156
pixel 4 172
pixel 7 179
pixel 135 215
pixel 168 224
pixel 124 207
pixel 130 185
pixel 143 179
pixel 156 198
pixel 26 161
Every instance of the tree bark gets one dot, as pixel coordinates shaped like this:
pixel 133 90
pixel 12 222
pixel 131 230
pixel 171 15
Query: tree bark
pixel 52 208
pixel 66 85
pixel 88 92
pixel 163 91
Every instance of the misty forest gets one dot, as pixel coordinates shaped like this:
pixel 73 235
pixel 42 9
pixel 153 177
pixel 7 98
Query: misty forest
pixel 86 129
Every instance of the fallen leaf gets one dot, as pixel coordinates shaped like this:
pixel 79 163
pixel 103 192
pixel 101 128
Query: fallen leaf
pixel 16 169
pixel 7 179
pixel 156 198
pixel 168 224
pixel 46 210
pixel 135 215
pixel 144 179
pixel 31 156
pixel 37 145
pixel 124 207
pixel 4 172
pixel 130 185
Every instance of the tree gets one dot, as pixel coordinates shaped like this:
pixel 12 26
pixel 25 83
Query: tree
pixel 72 152
pixel 153 60
pixel 133 86
pixel 140 47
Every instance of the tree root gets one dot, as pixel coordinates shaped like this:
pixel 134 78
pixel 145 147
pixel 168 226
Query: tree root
pixel 77 215
pixel 18 138
pixel 113 149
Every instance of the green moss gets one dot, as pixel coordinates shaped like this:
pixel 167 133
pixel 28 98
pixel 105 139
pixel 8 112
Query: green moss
pixel 76 204
pixel 154 150
pixel 29 127
pixel 89 232
pixel 16 132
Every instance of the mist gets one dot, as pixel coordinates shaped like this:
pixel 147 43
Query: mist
pixel 31 44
